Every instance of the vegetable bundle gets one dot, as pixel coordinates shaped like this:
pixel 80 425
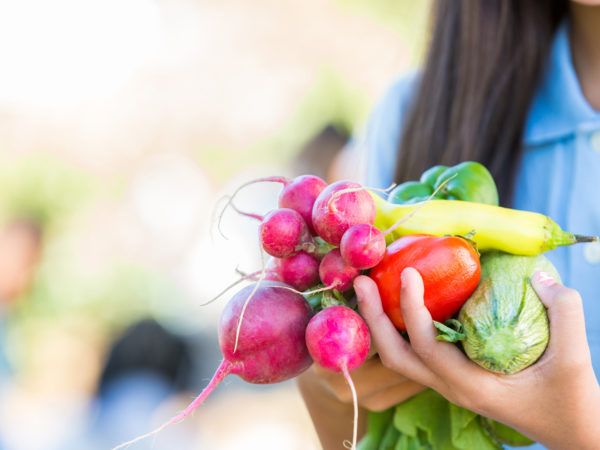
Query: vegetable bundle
pixel 323 236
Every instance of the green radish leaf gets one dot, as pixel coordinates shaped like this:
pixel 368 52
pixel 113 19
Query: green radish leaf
pixel 332 298
pixel 322 247
pixel 340 298
pixel 315 300
pixel 452 331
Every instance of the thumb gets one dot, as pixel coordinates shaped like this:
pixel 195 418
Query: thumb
pixel 565 313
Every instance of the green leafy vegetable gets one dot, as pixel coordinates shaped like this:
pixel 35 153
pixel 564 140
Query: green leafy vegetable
pixel 429 421
pixel 504 434
pixel 377 425
pixel 451 331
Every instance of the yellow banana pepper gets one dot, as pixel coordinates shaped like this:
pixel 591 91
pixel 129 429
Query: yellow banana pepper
pixel 494 227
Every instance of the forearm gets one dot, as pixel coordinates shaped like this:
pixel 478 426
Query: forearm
pixel 332 419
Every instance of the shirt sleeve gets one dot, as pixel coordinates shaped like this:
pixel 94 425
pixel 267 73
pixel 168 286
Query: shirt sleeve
pixel 377 145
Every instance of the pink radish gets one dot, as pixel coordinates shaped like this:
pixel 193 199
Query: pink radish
pixel 336 273
pixel 363 246
pixel 271 348
pixel 300 195
pixel 300 271
pixel 340 206
pixel 338 339
pixel 283 232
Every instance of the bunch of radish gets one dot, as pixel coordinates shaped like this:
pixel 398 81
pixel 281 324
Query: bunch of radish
pixel 320 238
pixel 319 233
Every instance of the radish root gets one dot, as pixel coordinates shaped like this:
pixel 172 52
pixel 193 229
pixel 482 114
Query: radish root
pixel 358 189
pixel 213 216
pixel 223 370
pixel 323 289
pixel 277 179
pixel 260 279
pixel 355 403
pixel 251 215
pixel 221 214
pixel 244 277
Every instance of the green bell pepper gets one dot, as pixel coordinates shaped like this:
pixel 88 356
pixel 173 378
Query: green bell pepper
pixel 469 181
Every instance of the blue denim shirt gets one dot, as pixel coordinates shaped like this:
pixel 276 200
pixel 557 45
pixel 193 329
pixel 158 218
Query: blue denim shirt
pixel 559 174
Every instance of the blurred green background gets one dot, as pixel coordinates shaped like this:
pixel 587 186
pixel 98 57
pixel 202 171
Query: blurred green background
pixel 123 123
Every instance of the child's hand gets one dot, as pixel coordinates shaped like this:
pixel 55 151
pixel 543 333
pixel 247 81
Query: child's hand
pixel 556 401
pixel 377 387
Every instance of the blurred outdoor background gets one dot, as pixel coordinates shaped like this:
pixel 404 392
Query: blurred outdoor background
pixel 122 124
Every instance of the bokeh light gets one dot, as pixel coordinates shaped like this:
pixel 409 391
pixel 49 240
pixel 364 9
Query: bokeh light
pixel 124 124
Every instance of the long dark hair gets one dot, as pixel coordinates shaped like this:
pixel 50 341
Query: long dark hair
pixel 484 63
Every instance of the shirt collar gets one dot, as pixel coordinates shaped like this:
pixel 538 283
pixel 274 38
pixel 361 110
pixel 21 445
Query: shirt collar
pixel 559 105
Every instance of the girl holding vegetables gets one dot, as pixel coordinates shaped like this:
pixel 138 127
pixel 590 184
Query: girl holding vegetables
pixel 514 84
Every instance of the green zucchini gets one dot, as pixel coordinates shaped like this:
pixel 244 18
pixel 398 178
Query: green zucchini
pixel 503 326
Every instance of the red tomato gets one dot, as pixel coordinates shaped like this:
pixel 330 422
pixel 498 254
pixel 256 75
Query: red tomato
pixel 448 265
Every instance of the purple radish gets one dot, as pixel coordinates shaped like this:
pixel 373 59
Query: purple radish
pixel 271 346
pixel 283 232
pixel 338 339
pixel 300 195
pixel 300 271
pixel 340 206
pixel 335 273
pixel 363 246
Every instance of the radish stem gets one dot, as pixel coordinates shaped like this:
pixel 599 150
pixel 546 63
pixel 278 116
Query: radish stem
pixel 235 283
pixel 357 189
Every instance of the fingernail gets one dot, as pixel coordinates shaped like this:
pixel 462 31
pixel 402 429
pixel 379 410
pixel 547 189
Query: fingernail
pixel 543 278
pixel 357 289
pixel 402 275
